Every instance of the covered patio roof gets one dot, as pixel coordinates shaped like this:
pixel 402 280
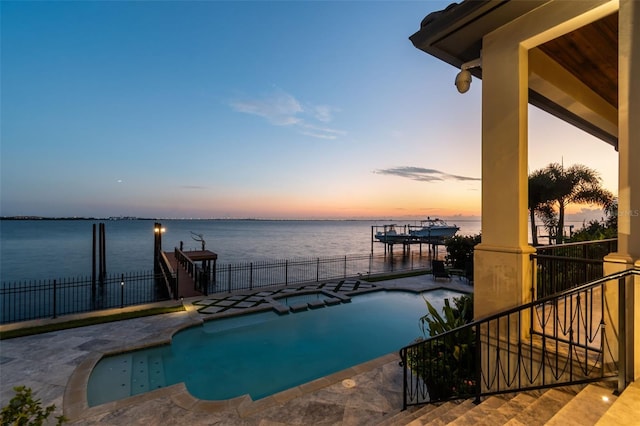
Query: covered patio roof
pixel 574 76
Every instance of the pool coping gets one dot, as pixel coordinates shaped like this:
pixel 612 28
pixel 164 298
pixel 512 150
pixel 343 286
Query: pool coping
pixel 75 403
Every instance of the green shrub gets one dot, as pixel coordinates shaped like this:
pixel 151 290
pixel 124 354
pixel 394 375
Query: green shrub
pixel 455 316
pixel 446 363
pixel 460 249
pixel 594 230
pixel 23 410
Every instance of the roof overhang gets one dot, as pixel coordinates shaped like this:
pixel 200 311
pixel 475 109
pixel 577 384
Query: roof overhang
pixel 573 77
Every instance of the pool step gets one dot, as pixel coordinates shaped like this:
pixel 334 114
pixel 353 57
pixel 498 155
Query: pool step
pixel 139 374
pixel 111 381
pixel 147 373
pixel 156 373
pixel 316 300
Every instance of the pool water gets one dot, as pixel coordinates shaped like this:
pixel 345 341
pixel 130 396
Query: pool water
pixel 262 354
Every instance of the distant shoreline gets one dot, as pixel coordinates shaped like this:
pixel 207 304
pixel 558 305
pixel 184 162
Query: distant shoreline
pixel 569 218
pixel 388 220
pixel 71 218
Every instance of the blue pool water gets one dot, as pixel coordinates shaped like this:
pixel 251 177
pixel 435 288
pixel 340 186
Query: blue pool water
pixel 262 354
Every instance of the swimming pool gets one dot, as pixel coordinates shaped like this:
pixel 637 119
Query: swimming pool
pixel 262 354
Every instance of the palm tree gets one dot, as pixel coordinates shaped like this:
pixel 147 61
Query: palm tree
pixel 540 199
pixel 577 184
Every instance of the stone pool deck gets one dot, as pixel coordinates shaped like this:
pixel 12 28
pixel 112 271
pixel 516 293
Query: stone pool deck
pixel 56 366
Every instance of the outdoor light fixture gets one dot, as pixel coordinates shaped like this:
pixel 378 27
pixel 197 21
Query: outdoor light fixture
pixel 463 79
pixel 349 383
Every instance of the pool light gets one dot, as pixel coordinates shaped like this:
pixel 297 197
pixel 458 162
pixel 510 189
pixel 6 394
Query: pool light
pixel 349 383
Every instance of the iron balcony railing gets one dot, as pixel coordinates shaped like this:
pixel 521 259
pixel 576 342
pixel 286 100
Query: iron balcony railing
pixel 596 249
pixel 564 339
pixel 561 267
pixel 554 274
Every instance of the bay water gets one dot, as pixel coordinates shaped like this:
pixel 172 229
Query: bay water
pixel 48 249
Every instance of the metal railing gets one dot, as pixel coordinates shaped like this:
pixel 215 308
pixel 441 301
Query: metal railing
pixel 247 276
pixel 561 267
pixel 564 339
pixel 596 249
pixel 27 300
pixel 554 274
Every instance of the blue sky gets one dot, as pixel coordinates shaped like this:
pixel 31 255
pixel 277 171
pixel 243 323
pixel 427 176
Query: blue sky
pixel 287 109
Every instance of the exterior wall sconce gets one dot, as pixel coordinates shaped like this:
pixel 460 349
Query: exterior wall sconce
pixel 463 79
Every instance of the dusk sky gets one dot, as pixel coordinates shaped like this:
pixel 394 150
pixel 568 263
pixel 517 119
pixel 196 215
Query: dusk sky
pixel 288 109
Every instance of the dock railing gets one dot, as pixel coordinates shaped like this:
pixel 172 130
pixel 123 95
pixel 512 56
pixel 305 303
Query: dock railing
pixel 183 260
pixel 169 276
pixel 200 276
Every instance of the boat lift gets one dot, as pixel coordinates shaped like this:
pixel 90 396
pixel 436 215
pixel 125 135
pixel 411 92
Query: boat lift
pixel 392 236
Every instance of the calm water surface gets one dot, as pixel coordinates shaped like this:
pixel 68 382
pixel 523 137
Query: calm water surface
pixel 47 249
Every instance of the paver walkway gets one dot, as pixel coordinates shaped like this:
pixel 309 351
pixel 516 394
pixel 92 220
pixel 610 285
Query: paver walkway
pixel 56 366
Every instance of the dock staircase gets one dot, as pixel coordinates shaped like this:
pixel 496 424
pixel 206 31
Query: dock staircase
pixel 183 277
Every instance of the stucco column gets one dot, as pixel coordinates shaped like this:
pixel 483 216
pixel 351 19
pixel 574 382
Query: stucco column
pixel 628 254
pixel 502 272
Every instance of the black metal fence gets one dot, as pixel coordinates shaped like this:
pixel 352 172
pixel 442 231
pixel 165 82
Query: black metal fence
pixel 27 300
pixel 247 276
